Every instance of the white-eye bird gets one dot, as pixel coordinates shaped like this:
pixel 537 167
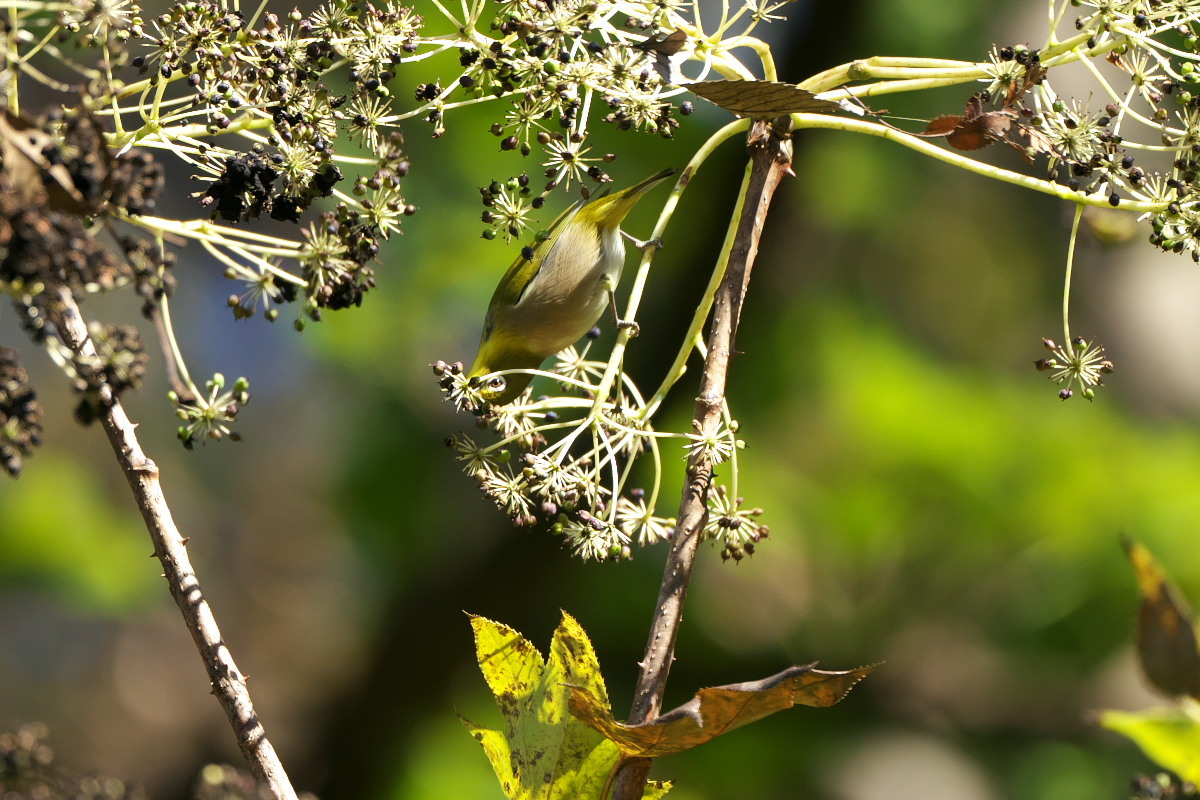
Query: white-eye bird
pixel 545 302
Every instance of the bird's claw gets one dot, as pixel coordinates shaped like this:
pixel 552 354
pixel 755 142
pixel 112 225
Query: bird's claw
pixel 629 325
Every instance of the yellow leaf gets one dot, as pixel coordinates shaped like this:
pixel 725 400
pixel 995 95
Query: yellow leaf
pixel 544 753
pixel 761 99
pixel 1168 736
pixel 718 710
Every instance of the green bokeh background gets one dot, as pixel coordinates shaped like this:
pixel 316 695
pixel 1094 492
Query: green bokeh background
pixel 932 504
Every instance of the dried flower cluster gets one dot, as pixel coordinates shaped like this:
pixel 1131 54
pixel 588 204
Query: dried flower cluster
pixel 20 414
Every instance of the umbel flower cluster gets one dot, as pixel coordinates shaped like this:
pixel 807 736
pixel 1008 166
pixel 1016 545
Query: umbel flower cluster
pixel 584 485
pixel 295 117
pixel 1133 144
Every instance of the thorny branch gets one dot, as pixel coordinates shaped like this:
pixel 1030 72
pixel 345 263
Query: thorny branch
pixel 228 683
pixel 770 160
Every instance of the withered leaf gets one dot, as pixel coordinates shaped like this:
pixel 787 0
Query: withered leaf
pixel 1166 640
pixel 22 147
pixel 761 99
pixel 717 710
pixel 665 44
pixel 1033 76
pixel 974 128
pixel 1039 142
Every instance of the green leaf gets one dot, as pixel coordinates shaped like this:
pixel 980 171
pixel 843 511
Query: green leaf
pixel 761 99
pixel 1168 736
pixel 544 752
pixel 717 710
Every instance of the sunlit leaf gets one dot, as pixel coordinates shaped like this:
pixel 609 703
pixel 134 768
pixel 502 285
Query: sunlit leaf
pixel 717 710
pixel 1166 639
pixel 1170 737
pixel 544 752
pixel 761 99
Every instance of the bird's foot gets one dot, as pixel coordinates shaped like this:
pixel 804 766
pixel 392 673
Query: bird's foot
pixel 629 325
pixel 649 244
pixel 653 245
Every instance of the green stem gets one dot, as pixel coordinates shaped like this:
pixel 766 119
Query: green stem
pixel 639 281
pixel 693 337
pixel 176 355
pixel 925 147
pixel 1066 304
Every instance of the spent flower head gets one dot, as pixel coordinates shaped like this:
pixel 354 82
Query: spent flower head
pixel 209 416
pixel 1079 365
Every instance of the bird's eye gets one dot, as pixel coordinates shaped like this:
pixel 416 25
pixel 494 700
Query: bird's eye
pixel 497 383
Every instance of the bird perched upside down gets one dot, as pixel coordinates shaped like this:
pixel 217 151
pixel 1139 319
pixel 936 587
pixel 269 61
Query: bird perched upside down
pixel 546 302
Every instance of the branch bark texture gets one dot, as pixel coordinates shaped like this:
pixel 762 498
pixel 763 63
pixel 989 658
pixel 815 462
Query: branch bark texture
pixel 228 683
pixel 770 161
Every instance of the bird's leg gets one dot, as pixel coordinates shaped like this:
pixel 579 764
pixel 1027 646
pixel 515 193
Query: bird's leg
pixel 621 324
pixel 618 323
pixel 654 243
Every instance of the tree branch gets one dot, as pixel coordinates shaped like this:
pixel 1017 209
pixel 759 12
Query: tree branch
pixel 770 160
pixel 228 683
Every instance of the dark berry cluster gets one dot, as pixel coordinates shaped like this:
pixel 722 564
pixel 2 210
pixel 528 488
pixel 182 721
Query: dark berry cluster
pixel 119 364
pixel 20 413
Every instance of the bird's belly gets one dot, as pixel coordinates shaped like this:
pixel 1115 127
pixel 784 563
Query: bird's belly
pixel 558 319
pixel 562 303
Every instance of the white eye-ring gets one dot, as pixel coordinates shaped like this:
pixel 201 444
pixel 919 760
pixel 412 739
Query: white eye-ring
pixel 497 383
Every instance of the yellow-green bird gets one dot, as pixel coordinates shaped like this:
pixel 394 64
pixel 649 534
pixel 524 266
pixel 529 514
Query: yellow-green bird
pixel 546 302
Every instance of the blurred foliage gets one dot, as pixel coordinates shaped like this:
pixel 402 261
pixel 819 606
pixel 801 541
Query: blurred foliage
pixel 932 505
pixel 28 772
pixel 65 534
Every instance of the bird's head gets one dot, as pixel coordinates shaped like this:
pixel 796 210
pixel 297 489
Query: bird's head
pixel 499 351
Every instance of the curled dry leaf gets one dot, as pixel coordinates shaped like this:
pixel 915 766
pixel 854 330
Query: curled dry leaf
pixel 1166 640
pixel 664 44
pixel 974 128
pixel 717 710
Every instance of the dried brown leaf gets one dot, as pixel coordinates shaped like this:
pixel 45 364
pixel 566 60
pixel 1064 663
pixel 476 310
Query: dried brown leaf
pixel 1166 640
pixel 664 44
pixel 717 710
pixel 31 176
pixel 761 99
pixel 974 128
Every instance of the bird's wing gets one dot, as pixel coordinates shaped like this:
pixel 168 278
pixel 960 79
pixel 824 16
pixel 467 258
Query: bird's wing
pixel 524 270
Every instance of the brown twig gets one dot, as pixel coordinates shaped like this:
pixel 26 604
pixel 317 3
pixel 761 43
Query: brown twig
pixel 770 156
pixel 228 683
